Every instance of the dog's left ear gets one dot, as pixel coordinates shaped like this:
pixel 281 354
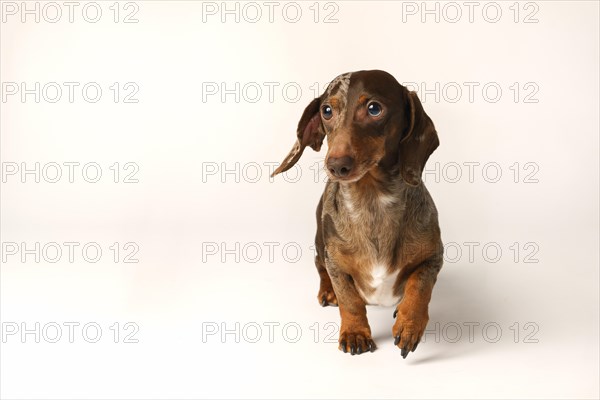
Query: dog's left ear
pixel 418 143
pixel 310 133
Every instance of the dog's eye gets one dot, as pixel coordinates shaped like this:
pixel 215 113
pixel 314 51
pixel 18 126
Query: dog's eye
pixel 327 111
pixel 374 109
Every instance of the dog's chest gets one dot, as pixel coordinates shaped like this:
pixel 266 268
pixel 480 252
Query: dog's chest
pixel 369 216
pixel 370 231
pixel 379 289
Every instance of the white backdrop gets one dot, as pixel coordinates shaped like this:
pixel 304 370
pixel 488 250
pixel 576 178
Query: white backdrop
pixel 147 254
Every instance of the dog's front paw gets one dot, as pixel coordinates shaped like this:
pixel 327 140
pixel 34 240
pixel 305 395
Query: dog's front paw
pixel 408 330
pixel 326 296
pixel 356 342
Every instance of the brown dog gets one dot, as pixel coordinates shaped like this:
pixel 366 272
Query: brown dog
pixel 378 240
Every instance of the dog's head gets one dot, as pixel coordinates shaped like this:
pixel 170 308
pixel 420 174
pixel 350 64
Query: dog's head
pixel 370 121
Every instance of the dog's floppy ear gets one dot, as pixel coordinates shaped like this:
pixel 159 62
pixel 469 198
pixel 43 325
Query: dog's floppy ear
pixel 418 143
pixel 310 133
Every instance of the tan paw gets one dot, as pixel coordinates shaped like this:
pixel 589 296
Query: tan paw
pixel 356 342
pixel 326 296
pixel 408 330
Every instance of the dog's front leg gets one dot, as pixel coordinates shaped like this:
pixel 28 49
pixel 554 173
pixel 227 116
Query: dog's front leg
pixel 355 333
pixel 412 314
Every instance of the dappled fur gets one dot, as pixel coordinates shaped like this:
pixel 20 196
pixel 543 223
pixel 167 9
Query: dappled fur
pixel 378 219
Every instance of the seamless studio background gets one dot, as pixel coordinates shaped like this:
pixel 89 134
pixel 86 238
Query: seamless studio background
pixel 146 253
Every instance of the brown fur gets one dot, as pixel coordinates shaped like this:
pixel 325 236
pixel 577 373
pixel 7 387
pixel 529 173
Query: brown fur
pixel 376 211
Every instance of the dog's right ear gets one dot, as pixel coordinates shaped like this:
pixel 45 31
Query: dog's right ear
pixel 310 133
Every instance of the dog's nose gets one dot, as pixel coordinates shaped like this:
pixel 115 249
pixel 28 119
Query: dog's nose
pixel 340 167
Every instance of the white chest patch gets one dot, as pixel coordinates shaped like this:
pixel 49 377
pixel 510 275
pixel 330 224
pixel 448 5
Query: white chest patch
pixel 387 200
pixel 382 284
